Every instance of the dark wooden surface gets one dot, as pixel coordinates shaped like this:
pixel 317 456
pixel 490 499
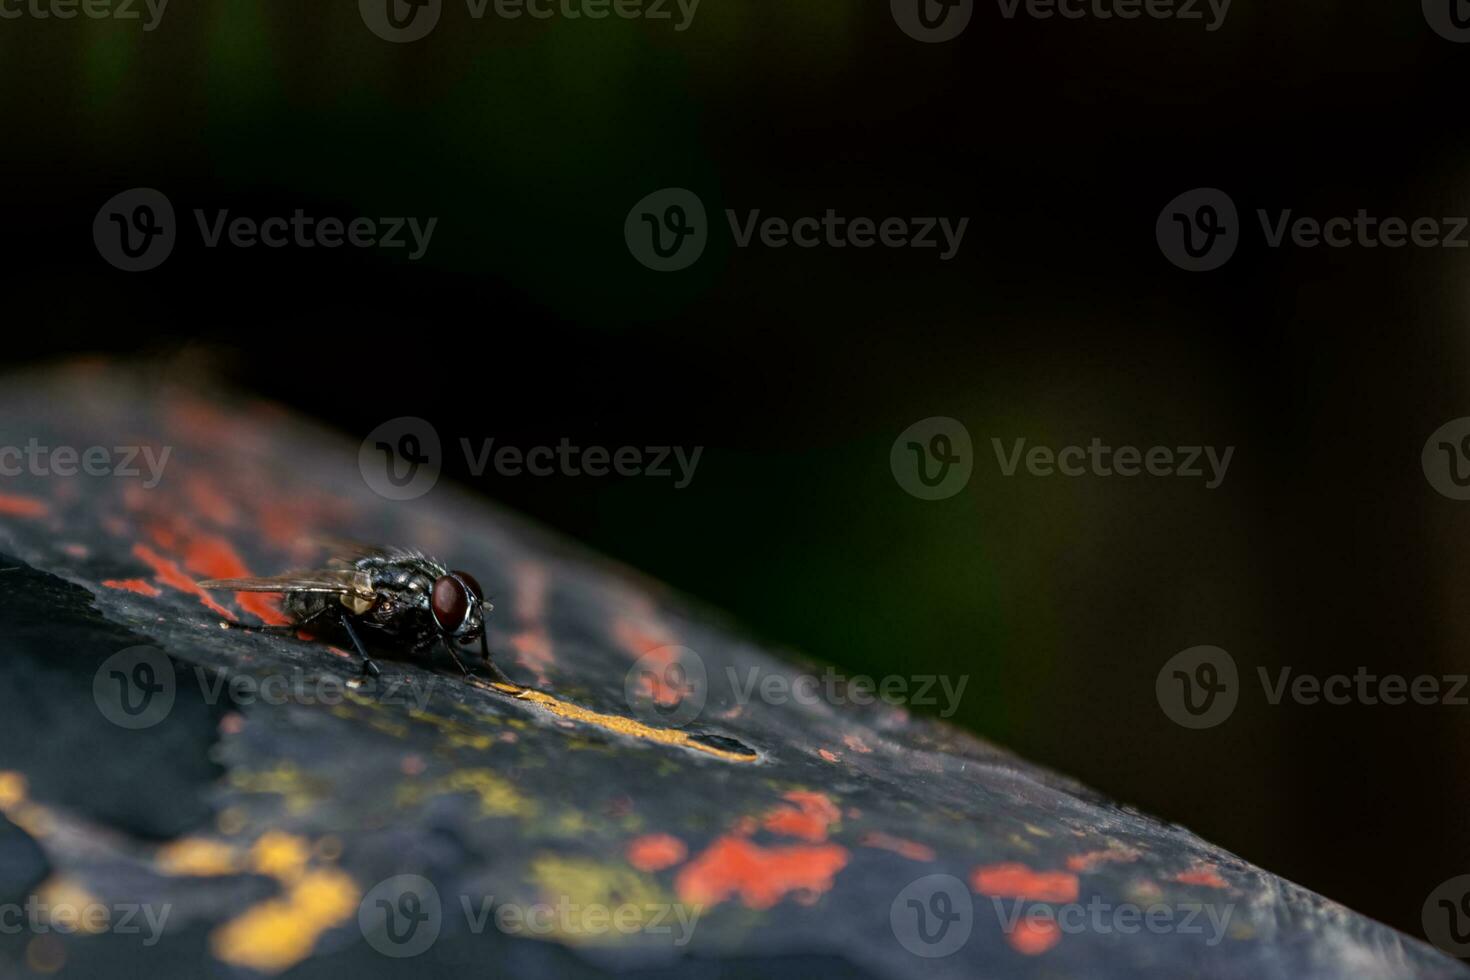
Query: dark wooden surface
pixel 266 821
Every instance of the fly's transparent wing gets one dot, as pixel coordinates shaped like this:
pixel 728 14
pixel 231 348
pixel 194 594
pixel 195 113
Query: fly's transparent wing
pixel 330 581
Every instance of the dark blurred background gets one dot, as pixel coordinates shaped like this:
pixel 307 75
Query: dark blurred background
pixel 1060 320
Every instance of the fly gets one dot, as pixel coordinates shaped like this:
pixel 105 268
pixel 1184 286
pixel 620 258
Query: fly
pixel 405 598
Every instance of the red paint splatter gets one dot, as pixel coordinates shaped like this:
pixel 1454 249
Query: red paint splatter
pixel 171 575
pixel 912 850
pixel 131 585
pixel 1015 880
pixel 759 876
pixel 533 650
pixel 209 501
pixel 809 816
pixel 211 556
pixel 532 584
pixel 164 537
pixel 1034 937
pixel 1089 860
pixel 14 505
pixel 654 852
pixel 1202 875
pixel 533 643
pixel 648 641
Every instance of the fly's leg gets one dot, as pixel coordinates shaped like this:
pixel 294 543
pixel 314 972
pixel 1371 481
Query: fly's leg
pixel 496 674
pixel 369 668
pixel 450 648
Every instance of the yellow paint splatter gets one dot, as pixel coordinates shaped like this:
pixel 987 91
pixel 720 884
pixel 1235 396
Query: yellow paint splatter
pixel 280 855
pixel 285 780
pixel 612 723
pixel 12 789
pixel 281 932
pixel 498 796
pixel 69 906
pixel 594 892
pixel 457 734
pixel 197 857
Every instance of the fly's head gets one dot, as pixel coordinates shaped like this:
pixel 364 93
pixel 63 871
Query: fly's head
pixel 459 606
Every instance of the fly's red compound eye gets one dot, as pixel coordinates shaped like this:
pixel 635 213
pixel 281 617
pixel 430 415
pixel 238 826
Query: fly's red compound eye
pixel 450 603
pixel 469 580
